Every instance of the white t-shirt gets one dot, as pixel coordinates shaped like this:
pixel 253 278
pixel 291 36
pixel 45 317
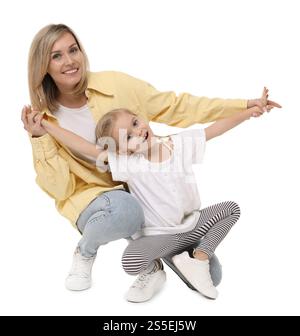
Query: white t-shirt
pixel 167 191
pixel 79 121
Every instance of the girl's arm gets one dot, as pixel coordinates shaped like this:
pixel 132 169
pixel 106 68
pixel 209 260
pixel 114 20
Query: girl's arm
pixel 71 140
pixel 221 126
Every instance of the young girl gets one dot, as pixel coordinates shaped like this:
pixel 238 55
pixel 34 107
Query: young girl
pixel 158 173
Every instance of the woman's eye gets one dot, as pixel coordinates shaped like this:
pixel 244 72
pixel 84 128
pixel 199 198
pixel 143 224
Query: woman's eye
pixel 56 56
pixel 73 50
pixel 135 122
pixel 128 137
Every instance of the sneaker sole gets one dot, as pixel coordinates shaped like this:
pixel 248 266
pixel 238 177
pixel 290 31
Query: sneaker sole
pixel 169 263
pixel 79 288
pixel 199 289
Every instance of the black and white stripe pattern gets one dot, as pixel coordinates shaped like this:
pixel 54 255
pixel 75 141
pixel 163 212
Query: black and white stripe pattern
pixel 214 223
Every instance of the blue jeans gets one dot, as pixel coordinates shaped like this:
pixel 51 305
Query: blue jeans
pixel 117 214
pixel 112 215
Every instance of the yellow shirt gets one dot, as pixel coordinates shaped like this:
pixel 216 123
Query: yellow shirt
pixel 74 183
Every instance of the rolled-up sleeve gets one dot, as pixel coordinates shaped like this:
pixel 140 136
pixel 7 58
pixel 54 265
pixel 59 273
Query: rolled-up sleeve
pixel 53 173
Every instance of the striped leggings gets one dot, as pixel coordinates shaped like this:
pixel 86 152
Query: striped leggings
pixel 213 225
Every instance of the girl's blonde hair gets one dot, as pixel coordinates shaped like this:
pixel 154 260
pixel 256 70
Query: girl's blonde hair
pixel 106 124
pixel 43 90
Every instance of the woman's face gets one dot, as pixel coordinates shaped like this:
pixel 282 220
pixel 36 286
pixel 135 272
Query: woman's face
pixel 66 63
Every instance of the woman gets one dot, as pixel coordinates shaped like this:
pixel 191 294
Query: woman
pixel 62 88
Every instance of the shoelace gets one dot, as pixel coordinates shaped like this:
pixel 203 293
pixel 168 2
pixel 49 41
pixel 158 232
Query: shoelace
pixel 141 281
pixel 80 266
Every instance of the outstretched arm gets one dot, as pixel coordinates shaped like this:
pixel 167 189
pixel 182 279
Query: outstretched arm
pixel 71 140
pixel 221 126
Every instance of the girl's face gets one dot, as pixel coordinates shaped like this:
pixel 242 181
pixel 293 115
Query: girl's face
pixel 132 133
pixel 66 63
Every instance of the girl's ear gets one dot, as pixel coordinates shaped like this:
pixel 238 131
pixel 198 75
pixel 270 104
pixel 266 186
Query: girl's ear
pixel 123 152
pixel 119 151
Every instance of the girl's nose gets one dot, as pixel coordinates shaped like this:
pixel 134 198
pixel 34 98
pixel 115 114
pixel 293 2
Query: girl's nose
pixel 138 132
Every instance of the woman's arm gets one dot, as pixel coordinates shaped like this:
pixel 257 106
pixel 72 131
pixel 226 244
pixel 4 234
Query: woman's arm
pixel 185 109
pixel 53 174
pixel 71 140
pixel 176 110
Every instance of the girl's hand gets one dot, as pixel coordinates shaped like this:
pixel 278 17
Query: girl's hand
pixel 32 121
pixel 256 112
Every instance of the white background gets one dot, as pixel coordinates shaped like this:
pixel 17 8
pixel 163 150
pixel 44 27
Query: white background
pixel 229 49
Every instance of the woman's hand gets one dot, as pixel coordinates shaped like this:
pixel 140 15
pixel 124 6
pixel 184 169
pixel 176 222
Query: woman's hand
pixel 262 103
pixel 32 121
pixel 262 106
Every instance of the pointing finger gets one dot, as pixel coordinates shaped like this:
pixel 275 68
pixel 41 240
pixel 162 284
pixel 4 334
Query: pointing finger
pixel 274 104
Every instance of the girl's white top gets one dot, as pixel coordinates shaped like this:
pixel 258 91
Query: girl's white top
pixel 167 191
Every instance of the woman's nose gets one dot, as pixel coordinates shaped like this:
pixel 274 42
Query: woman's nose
pixel 68 59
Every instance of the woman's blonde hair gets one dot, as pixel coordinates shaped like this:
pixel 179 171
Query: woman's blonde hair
pixel 106 124
pixel 43 90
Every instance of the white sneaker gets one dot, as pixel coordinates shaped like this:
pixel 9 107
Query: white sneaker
pixel 79 277
pixel 145 286
pixel 197 273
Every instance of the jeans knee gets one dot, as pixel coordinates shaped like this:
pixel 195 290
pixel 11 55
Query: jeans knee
pixel 112 216
pixel 129 213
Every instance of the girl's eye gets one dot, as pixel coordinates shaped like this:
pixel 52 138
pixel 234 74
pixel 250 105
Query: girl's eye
pixel 128 137
pixel 135 122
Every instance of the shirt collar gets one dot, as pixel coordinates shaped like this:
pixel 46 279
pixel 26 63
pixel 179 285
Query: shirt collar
pixel 96 82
